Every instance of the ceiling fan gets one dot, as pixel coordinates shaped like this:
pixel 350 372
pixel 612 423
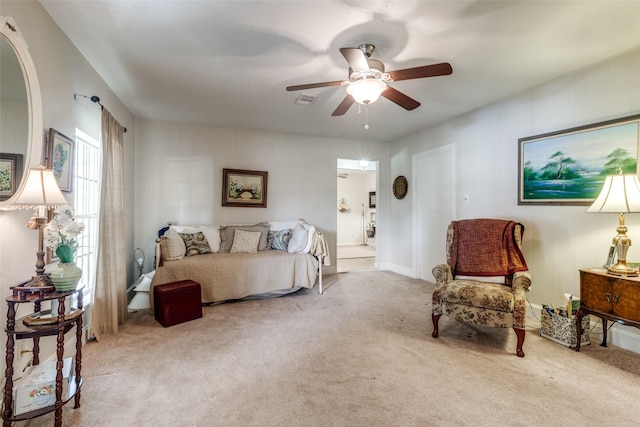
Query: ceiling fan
pixel 368 79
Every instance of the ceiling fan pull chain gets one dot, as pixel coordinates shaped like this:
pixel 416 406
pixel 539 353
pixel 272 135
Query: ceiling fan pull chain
pixel 366 116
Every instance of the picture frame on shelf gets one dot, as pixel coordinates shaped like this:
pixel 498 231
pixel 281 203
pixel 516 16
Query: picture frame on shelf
pixel 244 188
pixel 50 254
pixel 568 167
pixel 611 257
pixel 10 173
pixel 59 157
pixel 372 200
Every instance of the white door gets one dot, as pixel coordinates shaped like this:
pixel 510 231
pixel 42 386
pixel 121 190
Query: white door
pixel 435 207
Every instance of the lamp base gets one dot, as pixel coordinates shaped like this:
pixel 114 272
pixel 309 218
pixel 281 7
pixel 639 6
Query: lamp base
pixel 622 269
pixel 41 281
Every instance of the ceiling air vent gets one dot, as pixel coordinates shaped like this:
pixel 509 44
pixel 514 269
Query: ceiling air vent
pixel 305 99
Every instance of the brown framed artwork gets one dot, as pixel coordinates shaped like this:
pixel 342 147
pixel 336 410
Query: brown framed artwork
pixel 372 199
pixel 568 167
pixel 244 188
pixel 59 157
pixel 10 173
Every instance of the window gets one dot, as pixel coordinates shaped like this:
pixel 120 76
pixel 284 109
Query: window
pixel 88 170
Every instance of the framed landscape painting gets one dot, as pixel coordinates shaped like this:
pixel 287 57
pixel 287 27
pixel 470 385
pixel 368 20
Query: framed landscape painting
pixel 244 188
pixel 59 157
pixel 10 173
pixel 568 167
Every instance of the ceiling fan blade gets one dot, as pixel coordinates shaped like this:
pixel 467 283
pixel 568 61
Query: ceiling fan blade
pixel 344 106
pixel 434 70
pixel 355 57
pixel 400 98
pixel 315 85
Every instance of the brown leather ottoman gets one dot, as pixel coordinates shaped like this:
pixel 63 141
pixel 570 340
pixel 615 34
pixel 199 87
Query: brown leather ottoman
pixel 177 302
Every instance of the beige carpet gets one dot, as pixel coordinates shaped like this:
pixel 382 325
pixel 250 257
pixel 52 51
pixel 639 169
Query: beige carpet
pixel 359 355
pixel 355 251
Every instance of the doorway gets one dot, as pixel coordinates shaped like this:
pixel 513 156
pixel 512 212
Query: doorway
pixel 356 215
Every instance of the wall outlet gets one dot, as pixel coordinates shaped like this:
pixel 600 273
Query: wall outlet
pixel 466 198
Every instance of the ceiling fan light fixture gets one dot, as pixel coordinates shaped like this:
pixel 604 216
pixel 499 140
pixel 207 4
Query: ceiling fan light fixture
pixel 366 91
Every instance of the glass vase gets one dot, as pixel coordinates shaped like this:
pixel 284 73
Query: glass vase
pixel 66 276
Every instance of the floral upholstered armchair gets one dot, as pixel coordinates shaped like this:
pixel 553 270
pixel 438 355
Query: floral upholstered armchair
pixel 485 278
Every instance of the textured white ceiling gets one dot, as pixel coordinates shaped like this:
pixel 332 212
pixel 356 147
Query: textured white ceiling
pixel 227 63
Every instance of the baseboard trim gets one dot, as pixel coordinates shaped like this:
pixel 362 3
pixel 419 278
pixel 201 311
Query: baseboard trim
pixel 405 271
pixel 619 335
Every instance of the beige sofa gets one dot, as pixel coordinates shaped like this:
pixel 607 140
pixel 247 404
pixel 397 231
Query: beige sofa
pixel 238 261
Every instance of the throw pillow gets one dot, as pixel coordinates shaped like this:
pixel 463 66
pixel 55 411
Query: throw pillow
pixel 175 245
pixel 280 239
pixel 310 232
pixel 195 243
pixel 270 240
pixel 212 233
pixel 245 242
pixel 298 240
pixel 227 235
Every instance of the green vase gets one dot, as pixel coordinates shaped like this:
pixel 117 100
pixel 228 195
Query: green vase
pixel 66 276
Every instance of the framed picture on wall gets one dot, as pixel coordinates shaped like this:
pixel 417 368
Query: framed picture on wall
pixel 51 256
pixel 372 199
pixel 244 188
pixel 59 157
pixel 568 167
pixel 10 172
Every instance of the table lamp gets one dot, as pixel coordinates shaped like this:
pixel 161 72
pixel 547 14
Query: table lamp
pixel 620 194
pixel 40 192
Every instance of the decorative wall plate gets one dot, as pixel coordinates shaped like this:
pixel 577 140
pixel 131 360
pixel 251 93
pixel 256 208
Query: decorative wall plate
pixel 400 187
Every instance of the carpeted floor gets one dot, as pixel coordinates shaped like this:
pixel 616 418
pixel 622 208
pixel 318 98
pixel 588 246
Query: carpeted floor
pixel 355 258
pixel 355 251
pixel 359 355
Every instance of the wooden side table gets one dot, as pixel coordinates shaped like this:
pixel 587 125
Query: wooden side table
pixel 19 329
pixel 609 297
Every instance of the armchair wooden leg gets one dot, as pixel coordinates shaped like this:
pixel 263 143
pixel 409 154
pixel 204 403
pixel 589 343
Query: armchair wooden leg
pixel 434 319
pixel 520 335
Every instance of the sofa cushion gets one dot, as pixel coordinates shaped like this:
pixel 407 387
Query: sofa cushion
pixel 490 279
pixel 283 225
pixel 174 244
pixel 479 294
pixel 245 242
pixel 212 233
pixel 280 239
pixel 299 239
pixel 195 243
pixel 227 234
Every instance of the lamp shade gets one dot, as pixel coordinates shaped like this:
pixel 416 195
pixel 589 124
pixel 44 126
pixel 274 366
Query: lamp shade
pixel 620 193
pixel 366 91
pixel 40 189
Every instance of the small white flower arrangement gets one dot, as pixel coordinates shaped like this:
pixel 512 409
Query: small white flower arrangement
pixel 60 234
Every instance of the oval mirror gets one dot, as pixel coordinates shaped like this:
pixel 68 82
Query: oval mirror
pixel 20 107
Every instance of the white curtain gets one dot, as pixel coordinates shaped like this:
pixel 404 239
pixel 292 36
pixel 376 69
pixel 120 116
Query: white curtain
pixel 109 297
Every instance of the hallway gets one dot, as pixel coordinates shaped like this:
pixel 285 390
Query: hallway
pixel 355 257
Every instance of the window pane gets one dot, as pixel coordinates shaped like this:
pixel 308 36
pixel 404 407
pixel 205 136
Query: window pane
pixel 87 206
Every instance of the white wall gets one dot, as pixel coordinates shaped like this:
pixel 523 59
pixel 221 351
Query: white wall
pixel 355 190
pixel 558 240
pixel 179 176
pixel 62 71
